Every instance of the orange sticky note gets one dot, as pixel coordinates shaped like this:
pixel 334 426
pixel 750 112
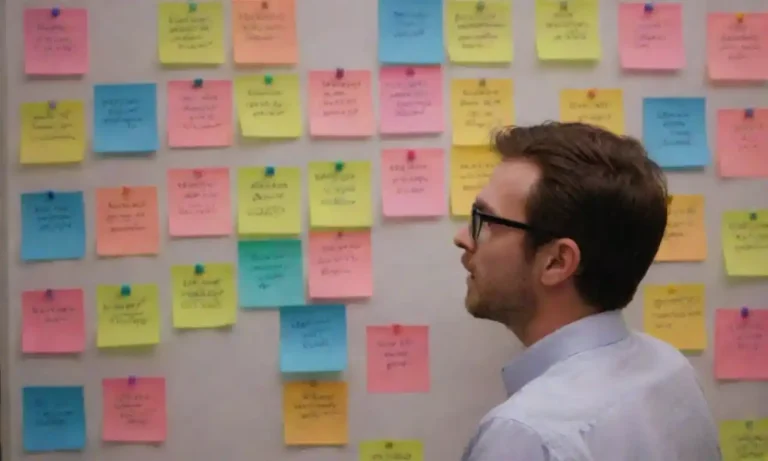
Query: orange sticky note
pixel 340 103
pixel 199 204
pixel 398 359
pixel 134 410
pixel 685 238
pixel 264 32
pixel 340 264
pixel 411 100
pixel 741 344
pixel 315 413
pixel 56 41
pixel 742 142
pixel 737 46
pixel 127 221
pixel 413 182
pixel 53 321
pixel 200 116
pixel 651 40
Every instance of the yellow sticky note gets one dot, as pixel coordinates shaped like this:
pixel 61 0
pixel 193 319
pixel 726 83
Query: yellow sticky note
pixel 600 107
pixel 128 315
pixel 204 295
pixel 315 413
pixel 745 242
pixel 52 132
pixel 479 32
pixel 269 106
pixel 568 30
pixel 381 450
pixel 685 238
pixel 268 201
pixel 340 194
pixel 478 106
pixel 745 440
pixel 190 32
pixel 471 167
pixel 675 314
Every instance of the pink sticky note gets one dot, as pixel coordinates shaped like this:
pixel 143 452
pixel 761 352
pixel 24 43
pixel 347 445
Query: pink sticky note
pixel 340 264
pixel 56 41
pixel 198 202
pixel 340 103
pixel 134 410
pixel 411 100
pixel 52 321
pixel 398 359
pixel 413 182
pixel 737 46
pixel 127 221
pixel 651 40
pixel 741 344
pixel 200 116
pixel 742 142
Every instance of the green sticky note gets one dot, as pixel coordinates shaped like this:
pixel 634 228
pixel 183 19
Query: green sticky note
pixel 745 242
pixel 377 450
pixel 744 440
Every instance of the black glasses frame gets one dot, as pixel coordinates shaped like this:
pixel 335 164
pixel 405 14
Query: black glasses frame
pixel 479 217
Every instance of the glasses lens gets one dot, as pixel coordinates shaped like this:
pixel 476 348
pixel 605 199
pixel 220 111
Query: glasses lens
pixel 475 225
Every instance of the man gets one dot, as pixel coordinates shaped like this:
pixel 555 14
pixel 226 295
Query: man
pixel 560 238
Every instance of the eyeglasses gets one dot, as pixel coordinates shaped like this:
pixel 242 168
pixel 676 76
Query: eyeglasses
pixel 480 217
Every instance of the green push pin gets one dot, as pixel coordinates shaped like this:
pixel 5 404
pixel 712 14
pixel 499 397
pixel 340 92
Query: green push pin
pixel 125 290
pixel 753 216
pixel 339 166
pixel 192 7
pixel 268 79
pixel 269 171
pixel 199 269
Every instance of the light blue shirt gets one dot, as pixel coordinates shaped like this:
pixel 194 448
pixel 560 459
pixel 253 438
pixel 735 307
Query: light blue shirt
pixel 594 391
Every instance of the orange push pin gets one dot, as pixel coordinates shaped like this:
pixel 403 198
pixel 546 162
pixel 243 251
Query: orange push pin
pixel 591 94
pixel 740 17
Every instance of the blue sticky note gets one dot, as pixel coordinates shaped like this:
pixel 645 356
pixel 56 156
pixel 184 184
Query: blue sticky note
pixel 313 338
pixel 270 273
pixel 125 118
pixel 411 32
pixel 675 132
pixel 52 226
pixel 54 418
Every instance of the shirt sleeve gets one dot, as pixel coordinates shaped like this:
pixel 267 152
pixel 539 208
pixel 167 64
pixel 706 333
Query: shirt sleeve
pixel 506 440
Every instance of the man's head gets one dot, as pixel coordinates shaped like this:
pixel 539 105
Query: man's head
pixel 568 225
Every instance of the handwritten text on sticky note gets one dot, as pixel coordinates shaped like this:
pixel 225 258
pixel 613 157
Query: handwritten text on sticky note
pixel 125 118
pixel 270 273
pixel 744 440
pixel 134 410
pixel 340 103
pixel 199 116
pixel 129 318
pixel 478 107
pixel 127 221
pixel 52 225
pixel 603 108
pixel 410 31
pixel 269 106
pixel 741 344
pixel 386 450
pixel 745 242
pixel 191 33
pixel 398 359
pixel 52 132
pixel 340 194
pixel 742 141
pixel 675 314
pixel 685 238
pixel 737 47
pixel 568 30
pixel 53 321
pixel 651 40
pixel 471 168
pixel 198 202
pixel 413 182
pixel 340 264
pixel 675 131
pixel 53 418
pixel 264 32
pixel 313 338
pixel 56 44
pixel 315 413
pixel 204 296
pixel 269 201
pixel 411 100
pixel 479 32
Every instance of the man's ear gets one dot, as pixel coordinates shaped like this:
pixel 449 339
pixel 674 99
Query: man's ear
pixel 562 261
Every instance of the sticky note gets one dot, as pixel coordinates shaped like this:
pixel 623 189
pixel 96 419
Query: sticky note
pixel 737 50
pixel 378 450
pixel 313 338
pixel 55 45
pixel 198 202
pixel 134 410
pixel 340 194
pixel 744 440
pixel 53 322
pixel 269 106
pixel 413 182
pixel 471 168
pixel 52 132
pixel 479 106
pixel 479 33
pixel 189 35
pixel 54 418
pixel 675 131
pixel 340 264
pixel 127 221
pixel 410 100
pixel 315 413
pixel 270 273
pixel 568 31
pixel 601 107
pixel 269 204
pixel 745 242
pixel 125 118
pixel 264 32
pixel 199 116
pixel 411 31
pixel 742 142
pixel 204 300
pixel 52 226
pixel 675 314
pixel 651 40
pixel 340 103
pixel 685 238
pixel 128 319
pixel 398 358
pixel 741 344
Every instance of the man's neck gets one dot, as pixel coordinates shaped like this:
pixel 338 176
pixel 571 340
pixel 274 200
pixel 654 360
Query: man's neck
pixel 550 319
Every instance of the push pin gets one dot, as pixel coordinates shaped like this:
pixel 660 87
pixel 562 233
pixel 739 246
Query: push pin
pixel 264 5
pixel 591 94
pixel 198 82
pixel 744 312
pixel 748 425
pixel 749 113
pixel 49 294
pixel 131 380
pixel 197 174
pixel 192 7
pixel 389 445
pixel 199 269
pixel 648 8
pixel 125 290
pixel 564 6
pixel 480 6
pixel 753 216
pixel 411 155
pixel 482 82
pixel 126 190
pixel 269 171
pixel 268 79
pixel 740 17
pixel 409 72
pixel 55 11
pixel 339 234
pixel 52 105
pixel 672 290
pixel 397 329
pixel 339 73
pixel 339 166
pixel 51 195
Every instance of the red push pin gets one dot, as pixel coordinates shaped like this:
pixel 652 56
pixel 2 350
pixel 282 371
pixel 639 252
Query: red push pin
pixel 397 329
pixel 340 234
pixel 411 155
pixel 126 190
pixel 591 94
pixel 197 173
pixel 339 73
pixel 410 72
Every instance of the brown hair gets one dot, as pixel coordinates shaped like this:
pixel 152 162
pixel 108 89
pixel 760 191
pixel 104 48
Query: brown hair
pixel 602 191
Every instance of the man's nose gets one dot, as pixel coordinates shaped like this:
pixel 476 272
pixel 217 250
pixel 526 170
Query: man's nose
pixel 463 240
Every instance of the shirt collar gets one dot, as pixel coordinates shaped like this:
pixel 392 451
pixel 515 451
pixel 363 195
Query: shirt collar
pixel 585 334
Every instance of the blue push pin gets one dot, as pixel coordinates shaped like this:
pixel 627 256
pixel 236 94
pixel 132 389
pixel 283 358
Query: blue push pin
pixel 749 113
pixel 125 290
pixel 648 8
pixel 269 171
pixel 51 195
pixel 339 166
pixel 199 269
pixel 131 380
pixel 744 312
pixel 753 216
pixel 198 82
pixel 55 12
pixel 52 105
